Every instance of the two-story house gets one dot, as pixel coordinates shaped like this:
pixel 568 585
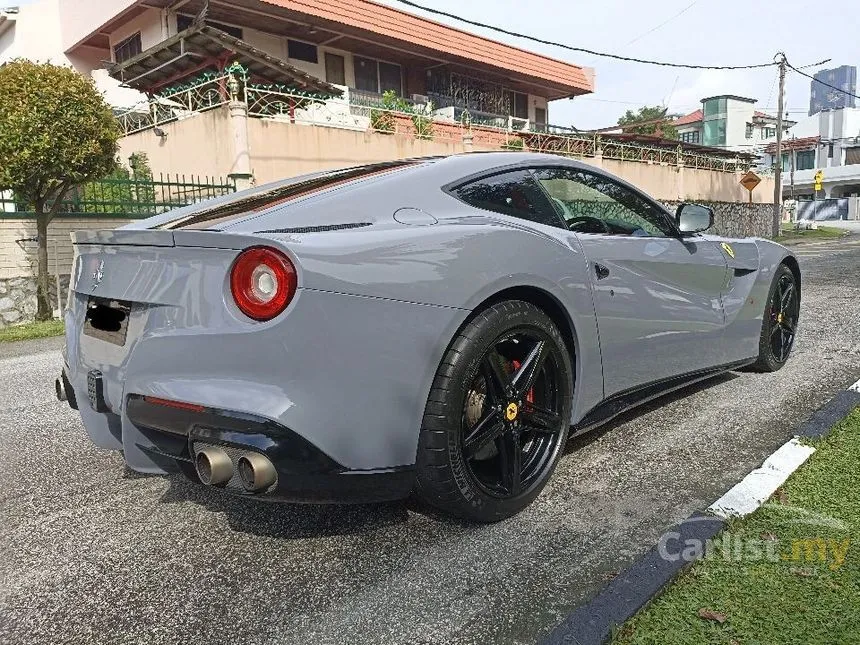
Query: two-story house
pixel 361 45
pixel 729 122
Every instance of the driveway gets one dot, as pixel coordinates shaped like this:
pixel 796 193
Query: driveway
pixel 95 553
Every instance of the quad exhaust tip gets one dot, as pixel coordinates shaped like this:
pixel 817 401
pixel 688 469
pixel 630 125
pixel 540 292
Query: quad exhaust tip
pixel 214 466
pixel 256 472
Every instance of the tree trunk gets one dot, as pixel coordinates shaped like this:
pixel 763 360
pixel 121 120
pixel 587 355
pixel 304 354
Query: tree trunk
pixel 44 311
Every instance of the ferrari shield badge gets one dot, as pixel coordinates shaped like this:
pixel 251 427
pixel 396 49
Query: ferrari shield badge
pixel 728 249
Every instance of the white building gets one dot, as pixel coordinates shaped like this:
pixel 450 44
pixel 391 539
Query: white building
pixel 730 122
pixel 45 30
pixel 829 142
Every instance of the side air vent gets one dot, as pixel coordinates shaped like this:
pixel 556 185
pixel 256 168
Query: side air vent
pixel 317 229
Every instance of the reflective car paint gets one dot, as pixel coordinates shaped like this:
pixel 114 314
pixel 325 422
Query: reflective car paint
pixel 348 365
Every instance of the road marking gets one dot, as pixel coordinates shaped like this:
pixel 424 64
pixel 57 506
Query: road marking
pixel 757 487
pixel 855 387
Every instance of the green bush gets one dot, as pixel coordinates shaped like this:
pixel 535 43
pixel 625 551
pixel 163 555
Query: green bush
pixel 383 119
pixel 422 122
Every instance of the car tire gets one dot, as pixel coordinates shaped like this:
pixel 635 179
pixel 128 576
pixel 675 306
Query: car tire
pixel 485 457
pixel 779 322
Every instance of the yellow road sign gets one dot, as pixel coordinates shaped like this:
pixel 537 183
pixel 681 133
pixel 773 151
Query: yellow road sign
pixel 819 177
pixel 750 180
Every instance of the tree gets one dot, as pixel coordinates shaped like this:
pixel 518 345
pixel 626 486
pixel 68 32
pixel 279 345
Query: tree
pixel 56 133
pixel 654 121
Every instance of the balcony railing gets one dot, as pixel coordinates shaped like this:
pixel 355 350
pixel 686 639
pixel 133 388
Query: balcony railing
pixel 176 104
pixel 366 111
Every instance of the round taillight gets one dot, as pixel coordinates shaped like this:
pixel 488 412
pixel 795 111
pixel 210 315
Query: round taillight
pixel 263 281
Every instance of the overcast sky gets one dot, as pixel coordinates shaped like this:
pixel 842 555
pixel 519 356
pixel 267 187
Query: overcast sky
pixel 707 32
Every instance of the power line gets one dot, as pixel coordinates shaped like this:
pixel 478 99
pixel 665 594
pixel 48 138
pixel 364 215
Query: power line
pixel 664 23
pixel 582 50
pixel 832 87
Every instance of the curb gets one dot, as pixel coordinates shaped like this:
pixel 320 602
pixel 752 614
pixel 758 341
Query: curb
pixel 594 622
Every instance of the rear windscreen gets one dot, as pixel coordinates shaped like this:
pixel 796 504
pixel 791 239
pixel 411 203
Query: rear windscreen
pixel 213 216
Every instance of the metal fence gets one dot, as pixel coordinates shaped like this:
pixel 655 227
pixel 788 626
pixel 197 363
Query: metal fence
pixel 133 198
pixel 176 103
pixel 366 111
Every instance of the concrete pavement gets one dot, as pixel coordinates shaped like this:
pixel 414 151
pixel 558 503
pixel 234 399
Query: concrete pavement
pixel 94 553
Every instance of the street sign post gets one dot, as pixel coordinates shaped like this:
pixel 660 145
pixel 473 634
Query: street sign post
pixel 819 177
pixel 749 181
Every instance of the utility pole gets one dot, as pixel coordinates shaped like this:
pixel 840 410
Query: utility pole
pixel 777 173
pixel 792 153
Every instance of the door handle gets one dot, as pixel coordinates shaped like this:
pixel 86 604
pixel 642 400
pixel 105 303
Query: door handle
pixel 601 271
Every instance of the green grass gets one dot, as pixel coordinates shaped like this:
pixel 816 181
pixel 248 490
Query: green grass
pixel 32 330
pixel 821 233
pixel 803 599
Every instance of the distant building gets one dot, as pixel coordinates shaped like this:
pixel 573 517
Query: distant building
pixel 828 141
pixel 729 122
pixel 822 97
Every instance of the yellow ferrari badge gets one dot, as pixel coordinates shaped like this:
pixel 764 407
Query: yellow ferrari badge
pixel 511 412
pixel 728 249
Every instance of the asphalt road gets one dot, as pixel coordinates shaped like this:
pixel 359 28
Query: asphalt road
pixel 90 552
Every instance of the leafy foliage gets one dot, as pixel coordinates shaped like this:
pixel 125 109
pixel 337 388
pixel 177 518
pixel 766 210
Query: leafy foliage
pixel 514 144
pixel 660 126
pixel 383 119
pixel 56 132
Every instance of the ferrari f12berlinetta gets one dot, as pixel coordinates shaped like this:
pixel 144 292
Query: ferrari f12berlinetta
pixel 435 326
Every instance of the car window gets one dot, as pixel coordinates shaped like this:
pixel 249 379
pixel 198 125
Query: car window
pixel 591 203
pixel 512 193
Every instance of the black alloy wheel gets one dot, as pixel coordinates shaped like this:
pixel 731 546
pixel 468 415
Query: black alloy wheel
pixel 498 414
pixel 779 324
pixel 512 414
pixel 784 309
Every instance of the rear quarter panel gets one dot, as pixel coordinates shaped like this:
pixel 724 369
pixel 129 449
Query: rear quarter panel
pixel 460 263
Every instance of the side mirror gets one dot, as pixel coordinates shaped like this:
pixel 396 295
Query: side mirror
pixel 694 218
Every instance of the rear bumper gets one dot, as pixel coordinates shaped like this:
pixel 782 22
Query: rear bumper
pixel 171 431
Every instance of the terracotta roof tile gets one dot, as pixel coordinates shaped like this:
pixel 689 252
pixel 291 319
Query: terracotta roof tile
pixel 692 117
pixel 407 28
pixel 794 144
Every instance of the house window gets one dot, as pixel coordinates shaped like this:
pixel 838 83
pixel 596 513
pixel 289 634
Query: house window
pixel 749 131
pixel 521 105
pixel 375 76
pixel 767 133
pixel 540 119
pixel 334 69
pixel 518 105
pixel 714 107
pixel 806 160
pixel 297 50
pixel 184 22
pixel 389 78
pixel 126 49
pixel 690 137
pixel 830 151
pixel 714 132
pixel 785 165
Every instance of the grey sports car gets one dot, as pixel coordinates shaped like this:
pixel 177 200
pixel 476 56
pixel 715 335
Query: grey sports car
pixel 436 326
